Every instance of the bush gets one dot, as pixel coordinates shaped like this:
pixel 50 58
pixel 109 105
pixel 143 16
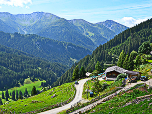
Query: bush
pixel 95 72
pixel 27 81
pixel 120 76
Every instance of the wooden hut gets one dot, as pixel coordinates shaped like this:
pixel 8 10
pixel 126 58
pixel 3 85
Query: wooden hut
pixel 114 71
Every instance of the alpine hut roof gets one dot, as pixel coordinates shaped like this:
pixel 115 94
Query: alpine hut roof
pixel 115 68
pixel 132 72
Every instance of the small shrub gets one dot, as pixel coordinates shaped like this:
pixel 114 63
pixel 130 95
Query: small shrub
pixel 120 76
pixel 27 81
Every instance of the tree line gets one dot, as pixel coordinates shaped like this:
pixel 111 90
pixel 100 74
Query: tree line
pixel 15 95
pixel 135 59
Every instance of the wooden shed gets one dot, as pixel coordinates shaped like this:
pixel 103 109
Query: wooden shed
pixel 114 71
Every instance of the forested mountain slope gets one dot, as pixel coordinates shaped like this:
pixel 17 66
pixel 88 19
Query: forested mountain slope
pixel 77 31
pixel 54 51
pixel 16 66
pixel 128 40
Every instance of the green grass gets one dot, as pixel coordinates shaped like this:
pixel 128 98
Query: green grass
pixel 42 100
pixel 90 85
pixel 37 84
pixel 115 105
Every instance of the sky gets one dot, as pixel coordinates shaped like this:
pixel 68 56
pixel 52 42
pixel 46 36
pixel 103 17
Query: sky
pixel 126 12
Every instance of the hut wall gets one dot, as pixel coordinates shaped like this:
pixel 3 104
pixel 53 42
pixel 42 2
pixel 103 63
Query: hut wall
pixel 112 74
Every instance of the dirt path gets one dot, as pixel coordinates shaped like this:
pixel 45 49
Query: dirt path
pixel 78 97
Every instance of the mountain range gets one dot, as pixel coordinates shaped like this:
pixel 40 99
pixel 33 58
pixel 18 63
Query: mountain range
pixel 76 31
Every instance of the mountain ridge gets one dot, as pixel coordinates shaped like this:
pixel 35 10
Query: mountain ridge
pixel 54 27
pixel 52 50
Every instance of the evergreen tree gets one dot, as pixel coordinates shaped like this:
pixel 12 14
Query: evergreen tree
pixel 13 95
pixel 98 66
pixel 144 48
pixel 33 92
pixel 20 95
pixel 137 61
pixel 75 73
pixel 16 94
pixel 121 59
pixel 6 95
pixel 25 93
pixel 97 87
pixel 82 72
pixel 3 97
pixel 125 63
pixel 1 103
pixel 132 56
pixel 90 70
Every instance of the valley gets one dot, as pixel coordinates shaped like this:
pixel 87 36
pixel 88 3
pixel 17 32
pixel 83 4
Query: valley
pixel 45 54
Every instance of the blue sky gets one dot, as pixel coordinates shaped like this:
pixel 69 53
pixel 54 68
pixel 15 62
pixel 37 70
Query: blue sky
pixel 127 12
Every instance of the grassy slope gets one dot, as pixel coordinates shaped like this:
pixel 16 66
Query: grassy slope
pixel 37 84
pixel 116 105
pixel 43 100
pixel 90 84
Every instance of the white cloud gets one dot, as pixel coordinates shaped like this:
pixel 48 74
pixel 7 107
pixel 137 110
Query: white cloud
pixel 15 2
pixel 130 21
pixel 27 7
pixel 0 6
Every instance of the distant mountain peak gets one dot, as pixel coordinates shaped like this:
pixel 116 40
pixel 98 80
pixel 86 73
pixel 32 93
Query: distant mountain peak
pixel 114 26
pixel 80 21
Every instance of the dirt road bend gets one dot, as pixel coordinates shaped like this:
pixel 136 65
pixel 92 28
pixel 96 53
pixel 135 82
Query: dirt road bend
pixel 78 97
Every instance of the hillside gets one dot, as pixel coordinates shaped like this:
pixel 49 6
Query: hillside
pixel 54 51
pixel 77 31
pixel 128 40
pixel 52 98
pixel 16 66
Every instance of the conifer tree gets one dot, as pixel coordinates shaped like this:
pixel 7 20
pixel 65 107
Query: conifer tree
pixel 144 48
pixel 13 95
pixel 121 59
pixel 20 95
pixel 75 73
pixel 16 94
pixel 97 87
pixel 33 92
pixel 137 61
pixel 25 93
pixel 1 103
pixel 6 95
pixel 90 70
pixel 3 97
pixel 132 56
pixel 98 66
pixel 82 72
pixel 125 62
